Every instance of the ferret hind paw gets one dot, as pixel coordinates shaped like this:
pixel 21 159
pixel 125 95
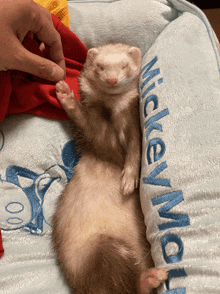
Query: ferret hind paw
pixel 152 278
pixel 128 182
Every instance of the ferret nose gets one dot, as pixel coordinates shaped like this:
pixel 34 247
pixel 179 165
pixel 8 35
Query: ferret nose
pixel 111 81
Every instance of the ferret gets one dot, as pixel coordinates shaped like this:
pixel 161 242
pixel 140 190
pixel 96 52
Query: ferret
pixel 98 226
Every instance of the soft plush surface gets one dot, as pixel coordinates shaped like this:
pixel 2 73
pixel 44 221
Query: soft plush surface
pixel 58 8
pixel 180 122
pixel 180 179
pixel 37 156
pixel 179 108
pixel 17 87
pixel 137 23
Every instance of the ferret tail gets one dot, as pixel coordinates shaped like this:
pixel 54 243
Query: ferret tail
pixel 109 269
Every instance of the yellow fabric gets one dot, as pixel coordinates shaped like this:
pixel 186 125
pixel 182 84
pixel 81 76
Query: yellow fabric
pixel 58 8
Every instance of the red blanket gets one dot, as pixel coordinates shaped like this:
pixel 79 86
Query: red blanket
pixel 23 93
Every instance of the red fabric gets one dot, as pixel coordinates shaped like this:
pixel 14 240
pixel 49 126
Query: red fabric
pixel 1 247
pixel 23 93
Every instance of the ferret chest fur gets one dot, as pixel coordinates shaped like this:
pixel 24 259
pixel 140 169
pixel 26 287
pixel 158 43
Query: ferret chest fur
pixel 99 231
pixel 109 93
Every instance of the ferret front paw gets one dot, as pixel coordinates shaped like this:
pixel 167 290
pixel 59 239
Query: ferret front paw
pixel 152 278
pixel 129 181
pixel 66 98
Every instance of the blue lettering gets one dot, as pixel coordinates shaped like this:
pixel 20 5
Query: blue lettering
pixel 151 87
pixel 152 127
pixel 174 198
pixel 158 116
pixel 175 273
pixel 176 291
pixel 153 143
pixel 149 99
pixel 160 81
pixel 151 179
pixel 174 239
pixel 155 151
pixel 150 74
pixel 151 122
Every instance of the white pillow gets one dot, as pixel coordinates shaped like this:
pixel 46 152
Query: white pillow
pixel 37 156
pixel 180 79
pixel 180 178
pixel 137 23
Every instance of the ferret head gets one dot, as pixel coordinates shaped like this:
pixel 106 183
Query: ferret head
pixel 114 67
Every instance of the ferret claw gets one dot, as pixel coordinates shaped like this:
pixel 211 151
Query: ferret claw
pixel 65 97
pixel 62 87
pixel 128 182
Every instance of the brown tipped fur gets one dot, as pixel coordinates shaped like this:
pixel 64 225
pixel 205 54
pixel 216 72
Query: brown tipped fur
pixel 99 232
pixel 107 270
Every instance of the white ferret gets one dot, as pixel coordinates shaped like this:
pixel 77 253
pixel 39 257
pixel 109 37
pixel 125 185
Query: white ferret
pixel 98 227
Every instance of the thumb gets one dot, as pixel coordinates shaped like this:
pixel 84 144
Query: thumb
pixel 40 67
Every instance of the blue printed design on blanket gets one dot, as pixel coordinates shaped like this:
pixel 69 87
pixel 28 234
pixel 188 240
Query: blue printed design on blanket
pixel 155 152
pixel 29 196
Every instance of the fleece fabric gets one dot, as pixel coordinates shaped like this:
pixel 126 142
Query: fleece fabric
pixel 37 156
pixel 180 119
pixel 180 177
pixel 17 87
pixel 59 8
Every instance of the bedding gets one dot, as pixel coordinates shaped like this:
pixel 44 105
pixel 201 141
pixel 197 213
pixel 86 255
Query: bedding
pixel 59 8
pixel 17 87
pixel 179 182
pixel 180 179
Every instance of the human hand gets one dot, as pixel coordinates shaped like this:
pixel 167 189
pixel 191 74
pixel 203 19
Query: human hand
pixel 17 18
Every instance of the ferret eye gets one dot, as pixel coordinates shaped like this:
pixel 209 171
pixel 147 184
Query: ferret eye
pixel 124 66
pixel 100 66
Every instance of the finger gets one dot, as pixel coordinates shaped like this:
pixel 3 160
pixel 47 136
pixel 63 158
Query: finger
pixel 55 47
pixel 36 65
pixel 43 68
pixel 46 33
pixel 14 56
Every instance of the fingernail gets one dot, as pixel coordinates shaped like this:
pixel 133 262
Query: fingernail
pixel 57 73
pixel 53 72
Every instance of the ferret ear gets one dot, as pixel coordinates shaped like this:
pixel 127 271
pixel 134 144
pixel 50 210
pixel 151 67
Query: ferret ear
pixel 135 54
pixel 91 54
